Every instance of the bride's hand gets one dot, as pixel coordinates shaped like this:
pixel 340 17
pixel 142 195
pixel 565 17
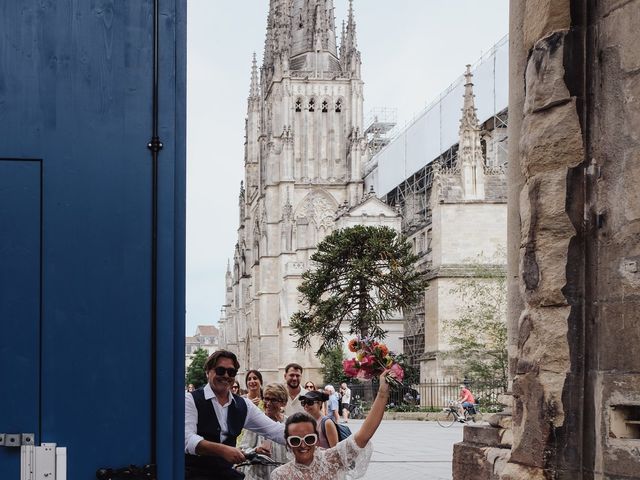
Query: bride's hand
pixel 384 380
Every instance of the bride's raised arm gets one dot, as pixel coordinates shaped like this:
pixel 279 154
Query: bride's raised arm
pixel 374 417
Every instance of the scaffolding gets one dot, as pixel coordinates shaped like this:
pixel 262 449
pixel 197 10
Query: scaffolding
pixel 381 121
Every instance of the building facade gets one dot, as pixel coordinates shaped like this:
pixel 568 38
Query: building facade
pixel 304 153
pixel 453 204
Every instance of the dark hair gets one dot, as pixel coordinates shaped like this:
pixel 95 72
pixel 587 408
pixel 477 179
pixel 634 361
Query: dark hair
pixel 299 417
pixel 257 374
pixel 309 382
pixel 213 359
pixel 292 365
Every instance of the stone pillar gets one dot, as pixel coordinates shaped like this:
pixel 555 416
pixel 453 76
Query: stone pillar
pixel 575 165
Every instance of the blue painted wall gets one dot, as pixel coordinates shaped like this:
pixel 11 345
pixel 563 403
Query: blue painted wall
pixel 75 231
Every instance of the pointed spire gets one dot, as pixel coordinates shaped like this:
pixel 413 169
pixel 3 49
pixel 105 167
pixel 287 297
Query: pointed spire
pixel 469 117
pixel 349 54
pixel 470 160
pixel 254 89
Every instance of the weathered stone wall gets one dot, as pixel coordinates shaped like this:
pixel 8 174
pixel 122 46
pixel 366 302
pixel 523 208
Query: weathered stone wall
pixel 574 226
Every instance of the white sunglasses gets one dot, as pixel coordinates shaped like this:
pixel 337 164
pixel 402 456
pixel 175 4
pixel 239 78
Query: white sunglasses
pixel 309 440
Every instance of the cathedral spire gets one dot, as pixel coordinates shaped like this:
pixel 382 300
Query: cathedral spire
pixel 349 54
pixel 254 89
pixel 470 159
pixel 469 118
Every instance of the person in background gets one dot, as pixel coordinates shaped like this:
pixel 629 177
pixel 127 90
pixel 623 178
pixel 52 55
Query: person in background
pixel 351 455
pixel 332 403
pixel 345 401
pixel 327 431
pixel 465 400
pixel 275 398
pixel 292 374
pixel 309 386
pixel 214 417
pixel 235 388
pixel 253 381
pixel 190 387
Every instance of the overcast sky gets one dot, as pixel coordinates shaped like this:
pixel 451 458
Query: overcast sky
pixel 411 51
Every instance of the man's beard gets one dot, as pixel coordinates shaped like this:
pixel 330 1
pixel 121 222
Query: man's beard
pixel 293 384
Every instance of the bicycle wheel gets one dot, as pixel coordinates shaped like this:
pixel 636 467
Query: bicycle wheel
pixel 448 421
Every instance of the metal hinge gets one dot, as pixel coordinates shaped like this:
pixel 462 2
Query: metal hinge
pixel 16 439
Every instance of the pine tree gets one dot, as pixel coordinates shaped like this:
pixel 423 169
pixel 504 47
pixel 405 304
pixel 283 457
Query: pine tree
pixel 362 275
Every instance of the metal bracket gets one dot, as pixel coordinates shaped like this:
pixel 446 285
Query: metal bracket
pixel 16 439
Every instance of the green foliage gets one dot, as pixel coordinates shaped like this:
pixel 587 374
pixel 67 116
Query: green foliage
pixel 478 336
pixel 332 371
pixel 362 275
pixel 411 373
pixel 195 371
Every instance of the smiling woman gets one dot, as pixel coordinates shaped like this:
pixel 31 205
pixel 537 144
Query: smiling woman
pixel 350 456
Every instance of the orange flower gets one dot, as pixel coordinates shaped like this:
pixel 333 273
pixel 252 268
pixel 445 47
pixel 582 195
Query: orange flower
pixel 353 345
pixel 383 349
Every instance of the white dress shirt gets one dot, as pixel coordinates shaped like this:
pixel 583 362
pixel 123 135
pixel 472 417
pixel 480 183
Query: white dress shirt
pixel 256 421
pixel 294 406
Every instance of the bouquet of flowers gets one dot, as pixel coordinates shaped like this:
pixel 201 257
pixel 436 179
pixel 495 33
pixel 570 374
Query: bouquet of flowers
pixel 372 358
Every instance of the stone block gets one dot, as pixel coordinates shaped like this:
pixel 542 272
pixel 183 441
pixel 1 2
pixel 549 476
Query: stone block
pixel 618 29
pixel 542 341
pixel 471 463
pixel 485 435
pixel 513 471
pixel 543 17
pixel 551 140
pixel 544 77
pixel 501 420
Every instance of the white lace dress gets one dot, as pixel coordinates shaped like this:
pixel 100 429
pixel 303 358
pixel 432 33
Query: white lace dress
pixel 345 460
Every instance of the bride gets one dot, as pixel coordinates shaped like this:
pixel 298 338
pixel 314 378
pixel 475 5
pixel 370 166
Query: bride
pixel 349 457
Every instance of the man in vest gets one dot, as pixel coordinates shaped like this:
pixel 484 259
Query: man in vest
pixel 214 417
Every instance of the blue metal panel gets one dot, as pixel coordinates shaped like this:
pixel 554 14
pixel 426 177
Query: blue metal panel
pixel 76 90
pixel 20 231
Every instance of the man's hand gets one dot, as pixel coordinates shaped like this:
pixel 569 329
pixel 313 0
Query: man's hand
pixel 264 448
pixel 233 455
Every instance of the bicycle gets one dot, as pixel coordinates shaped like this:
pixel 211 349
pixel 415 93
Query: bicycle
pixel 356 410
pixel 453 414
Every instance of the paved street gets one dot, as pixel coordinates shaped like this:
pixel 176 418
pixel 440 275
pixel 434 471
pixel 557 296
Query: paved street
pixel 411 450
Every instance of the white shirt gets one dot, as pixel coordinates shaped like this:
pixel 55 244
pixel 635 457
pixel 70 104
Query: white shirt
pixel 294 406
pixel 256 421
pixel 346 395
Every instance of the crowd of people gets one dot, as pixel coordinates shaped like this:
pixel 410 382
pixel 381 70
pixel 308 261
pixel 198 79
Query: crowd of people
pixel 295 426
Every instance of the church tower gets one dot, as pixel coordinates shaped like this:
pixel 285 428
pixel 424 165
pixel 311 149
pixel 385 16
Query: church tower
pixel 304 153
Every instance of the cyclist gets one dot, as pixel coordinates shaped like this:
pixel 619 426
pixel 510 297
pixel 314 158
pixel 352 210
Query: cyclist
pixel 465 400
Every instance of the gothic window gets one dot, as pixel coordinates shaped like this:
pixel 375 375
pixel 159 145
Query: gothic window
pixel 325 106
pixel 312 105
pixel 339 105
pixel 299 105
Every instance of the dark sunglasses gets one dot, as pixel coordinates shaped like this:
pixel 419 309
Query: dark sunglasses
pixel 309 440
pixel 270 399
pixel 232 372
pixel 304 402
pixel 309 387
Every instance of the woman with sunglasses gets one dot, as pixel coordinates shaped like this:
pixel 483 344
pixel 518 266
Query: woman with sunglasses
pixel 275 398
pixel 309 386
pixel 350 456
pixel 312 402
pixel 235 388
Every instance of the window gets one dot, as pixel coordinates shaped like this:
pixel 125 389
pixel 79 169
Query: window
pixel 298 105
pixel 339 105
pixel 312 105
pixel 325 106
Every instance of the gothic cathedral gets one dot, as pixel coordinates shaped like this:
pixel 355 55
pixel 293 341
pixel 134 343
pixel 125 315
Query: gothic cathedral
pixel 304 152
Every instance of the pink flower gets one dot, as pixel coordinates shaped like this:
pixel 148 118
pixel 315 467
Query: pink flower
pixel 397 371
pixel 350 368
